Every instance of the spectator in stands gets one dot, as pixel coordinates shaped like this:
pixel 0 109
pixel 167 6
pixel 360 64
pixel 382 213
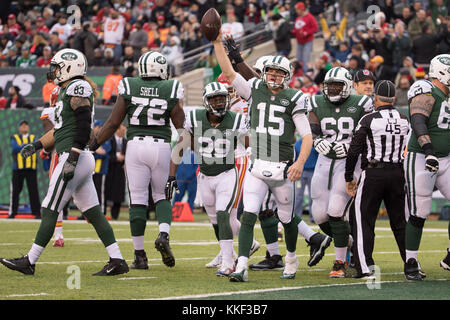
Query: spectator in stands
pixel 281 35
pixel 380 70
pixel 128 57
pixel 309 87
pixel 3 100
pixel 239 10
pixel 362 57
pixel 406 16
pixel 297 71
pixel 41 27
pixel 85 40
pixel 304 29
pixel 47 15
pixel 15 100
pixel 5 44
pixel 232 26
pixel 138 39
pixel 160 9
pixel 320 69
pixel 342 53
pixel 415 26
pixel 12 56
pixel 296 83
pixel 37 47
pixel 408 63
pixel 382 45
pixel 55 42
pixel 13 26
pixel 352 65
pixel 400 44
pixel 425 46
pixel 162 29
pixel 444 45
pixel 109 92
pixel 253 13
pixel 63 29
pixel 26 60
pixel 172 52
pixel 99 59
pixel 44 61
pixel 109 57
pixel 401 92
pixel 332 35
pixel 47 91
pixel 420 73
pixel 438 9
pixel 114 33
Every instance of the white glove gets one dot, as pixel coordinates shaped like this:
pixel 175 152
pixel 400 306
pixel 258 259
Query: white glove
pixel 431 163
pixel 322 146
pixel 341 149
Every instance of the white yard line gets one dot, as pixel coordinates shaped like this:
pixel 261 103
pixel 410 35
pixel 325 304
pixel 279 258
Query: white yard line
pixel 137 278
pixel 27 295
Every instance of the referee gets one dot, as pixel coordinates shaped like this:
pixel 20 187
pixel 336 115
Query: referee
pixel 381 138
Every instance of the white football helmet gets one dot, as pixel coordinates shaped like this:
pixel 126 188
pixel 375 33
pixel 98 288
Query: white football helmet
pixel 259 64
pixel 153 64
pixel 214 89
pixel 440 69
pixel 279 63
pixel 67 64
pixel 338 75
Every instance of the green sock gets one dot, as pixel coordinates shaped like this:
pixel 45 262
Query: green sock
pixel 163 210
pixel 269 228
pixel 340 230
pixel 326 228
pixel 47 227
pixel 413 237
pixel 138 220
pixel 223 221
pixel 216 231
pixel 104 231
pixel 291 233
pixel 248 221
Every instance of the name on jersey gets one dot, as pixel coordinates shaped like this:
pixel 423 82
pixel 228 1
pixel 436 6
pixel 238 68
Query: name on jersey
pixel 149 92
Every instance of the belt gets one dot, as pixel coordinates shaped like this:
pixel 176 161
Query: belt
pixel 149 138
pixel 384 165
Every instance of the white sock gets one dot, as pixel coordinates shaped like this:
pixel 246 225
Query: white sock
pixel 34 253
pixel 305 231
pixel 242 263
pixel 226 248
pixel 273 248
pixel 114 251
pixel 138 242
pixel 164 227
pixel 341 253
pixel 290 254
pixel 411 254
pixel 58 233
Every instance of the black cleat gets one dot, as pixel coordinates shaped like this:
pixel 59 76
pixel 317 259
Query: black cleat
pixel 140 260
pixel 274 262
pixel 162 245
pixel 19 264
pixel 445 263
pixel 318 244
pixel 113 268
pixel 412 270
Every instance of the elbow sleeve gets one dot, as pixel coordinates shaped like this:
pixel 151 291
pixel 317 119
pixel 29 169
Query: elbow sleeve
pixel 419 124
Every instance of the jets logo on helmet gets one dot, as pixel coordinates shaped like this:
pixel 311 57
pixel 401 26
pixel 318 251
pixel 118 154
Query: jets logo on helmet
pixel 440 69
pixel 217 107
pixel 337 84
pixel 278 63
pixel 153 64
pixel 67 64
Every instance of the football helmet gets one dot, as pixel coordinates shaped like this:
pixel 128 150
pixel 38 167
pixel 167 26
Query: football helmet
pixel 153 64
pixel 337 75
pixel 215 89
pixel 278 63
pixel 259 64
pixel 67 64
pixel 440 69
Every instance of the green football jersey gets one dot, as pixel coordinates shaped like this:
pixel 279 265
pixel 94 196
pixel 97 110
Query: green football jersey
pixel 215 146
pixel 149 103
pixel 438 122
pixel 65 121
pixel 272 127
pixel 338 122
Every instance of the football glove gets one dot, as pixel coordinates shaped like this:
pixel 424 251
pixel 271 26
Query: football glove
pixel 29 149
pixel 431 163
pixel 322 146
pixel 233 50
pixel 171 183
pixel 341 149
pixel 68 169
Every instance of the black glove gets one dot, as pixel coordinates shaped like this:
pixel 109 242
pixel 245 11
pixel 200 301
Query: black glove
pixel 431 163
pixel 233 50
pixel 30 148
pixel 171 183
pixel 94 145
pixel 68 169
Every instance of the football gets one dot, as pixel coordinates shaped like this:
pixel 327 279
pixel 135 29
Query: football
pixel 211 24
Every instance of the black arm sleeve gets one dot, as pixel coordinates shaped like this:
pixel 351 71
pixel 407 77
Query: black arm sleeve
pixel 419 124
pixel 315 129
pixel 83 132
pixel 357 146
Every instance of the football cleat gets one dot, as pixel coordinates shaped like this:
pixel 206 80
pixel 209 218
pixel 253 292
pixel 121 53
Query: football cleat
pixel 225 271
pixel 140 260
pixel 59 243
pixel 162 245
pixel 241 276
pixel 274 262
pixel 255 246
pixel 290 268
pixel 318 244
pixel 19 264
pixel 215 263
pixel 339 270
pixel 113 268
pixel 412 270
pixel 445 263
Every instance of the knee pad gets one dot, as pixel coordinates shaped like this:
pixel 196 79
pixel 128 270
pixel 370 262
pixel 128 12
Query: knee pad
pixel 416 221
pixel 248 218
pixel 138 212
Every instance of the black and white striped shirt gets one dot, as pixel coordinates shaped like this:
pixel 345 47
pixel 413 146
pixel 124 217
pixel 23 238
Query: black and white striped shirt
pixel 380 136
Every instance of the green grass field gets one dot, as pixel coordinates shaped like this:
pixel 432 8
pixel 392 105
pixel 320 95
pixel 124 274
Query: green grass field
pixel 194 245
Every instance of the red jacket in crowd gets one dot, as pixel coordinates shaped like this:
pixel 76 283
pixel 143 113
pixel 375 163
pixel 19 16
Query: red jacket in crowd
pixel 304 28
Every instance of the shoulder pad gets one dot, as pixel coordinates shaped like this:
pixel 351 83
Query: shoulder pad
pixel 366 103
pixel 79 88
pixel 420 87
